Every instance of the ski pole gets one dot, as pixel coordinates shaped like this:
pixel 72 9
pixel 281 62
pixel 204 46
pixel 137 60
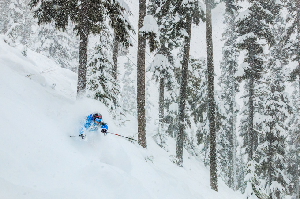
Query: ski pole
pixel 129 138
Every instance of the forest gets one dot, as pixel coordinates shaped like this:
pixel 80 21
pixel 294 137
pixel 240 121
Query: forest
pixel 241 117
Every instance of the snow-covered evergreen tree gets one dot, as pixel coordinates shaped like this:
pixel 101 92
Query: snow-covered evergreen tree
pixel 253 190
pixel 292 36
pixel 196 108
pixel 16 22
pixel 254 33
pixel 226 139
pixel 62 47
pixel 118 19
pixel 272 139
pixel 163 73
pixel 188 13
pixel 4 16
pixel 275 109
pixel 163 64
pixel 196 136
pixel 101 82
pixel 128 92
pixel 293 156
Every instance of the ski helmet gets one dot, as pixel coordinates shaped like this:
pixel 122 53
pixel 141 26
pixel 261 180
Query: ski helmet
pixel 97 115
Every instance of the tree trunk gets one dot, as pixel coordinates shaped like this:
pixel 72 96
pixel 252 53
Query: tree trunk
pixel 83 33
pixel 211 100
pixel 115 66
pixel 141 78
pixel 299 80
pixel 250 121
pixel 298 189
pixel 233 111
pixel 269 139
pixel 26 29
pixel 161 101
pixel 297 177
pixel 298 36
pixel 183 86
pixel 115 57
pixel 297 141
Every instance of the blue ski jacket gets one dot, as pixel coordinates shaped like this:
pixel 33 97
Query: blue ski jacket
pixel 91 125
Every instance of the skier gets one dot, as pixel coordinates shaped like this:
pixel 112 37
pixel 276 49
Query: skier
pixel 92 123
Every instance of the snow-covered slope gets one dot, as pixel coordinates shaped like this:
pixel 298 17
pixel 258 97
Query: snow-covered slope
pixel 38 159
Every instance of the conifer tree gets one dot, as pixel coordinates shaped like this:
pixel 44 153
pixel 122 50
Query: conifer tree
pixel 188 13
pixel 227 135
pixel 4 16
pixel 62 47
pixel 87 15
pixel 101 83
pixel 117 13
pixel 253 190
pixel 276 109
pixel 163 73
pixel 128 92
pixel 141 113
pixel 17 21
pixel 210 98
pixel 253 33
pixel 272 139
pixel 196 108
pixel 293 31
pixel 293 48
pixel 161 10
pixel 293 157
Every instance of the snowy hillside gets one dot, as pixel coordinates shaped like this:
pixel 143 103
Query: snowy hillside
pixel 39 159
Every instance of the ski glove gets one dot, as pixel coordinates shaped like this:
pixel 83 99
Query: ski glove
pixel 82 136
pixel 104 131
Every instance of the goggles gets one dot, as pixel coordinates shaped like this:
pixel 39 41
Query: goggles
pixel 98 119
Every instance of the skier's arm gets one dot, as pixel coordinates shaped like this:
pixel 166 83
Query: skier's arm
pixel 104 127
pixel 86 125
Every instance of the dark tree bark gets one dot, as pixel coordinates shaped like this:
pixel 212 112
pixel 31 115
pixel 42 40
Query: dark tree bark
pixel 298 30
pixel 161 100
pixel 141 77
pixel 297 177
pixel 211 100
pixel 115 57
pixel 183 86
pixel 251 136
pixel 83 33
pixel 115 62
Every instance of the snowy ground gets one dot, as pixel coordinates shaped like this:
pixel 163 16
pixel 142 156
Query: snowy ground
pixel 38 159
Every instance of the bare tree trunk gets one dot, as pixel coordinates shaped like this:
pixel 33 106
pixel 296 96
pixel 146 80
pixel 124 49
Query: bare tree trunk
pixel 115 66
pixel 183 86
pixel 234 134
pixel 298 178
pixel 26 29
pixel 250 121
pixel 141 78
pixel 211 100
pixel 269 139
pixel 83 33
pixel 297 141
pixel 161 101
pixel 115 58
